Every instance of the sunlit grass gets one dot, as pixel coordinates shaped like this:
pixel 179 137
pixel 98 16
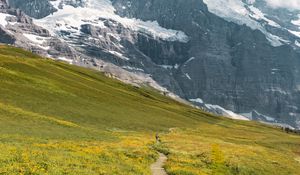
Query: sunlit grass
pixel 126 155
pixel 236 149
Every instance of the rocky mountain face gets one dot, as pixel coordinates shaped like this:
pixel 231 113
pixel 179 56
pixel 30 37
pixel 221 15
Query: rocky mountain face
pixel 33 8
pixel 243 56
pixel 228 64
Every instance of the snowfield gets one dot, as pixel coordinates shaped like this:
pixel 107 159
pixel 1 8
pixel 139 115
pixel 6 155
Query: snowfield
pixel 225 112
pixel 219 110
pixel 69 18
pixel 3 17
pixel 35 39
pixel 245 14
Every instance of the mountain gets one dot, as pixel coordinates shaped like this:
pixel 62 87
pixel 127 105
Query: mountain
pixel 57 118
pixel 242 56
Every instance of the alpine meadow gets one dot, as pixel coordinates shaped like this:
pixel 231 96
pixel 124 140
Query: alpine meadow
pixel 57 118
pixel 149 87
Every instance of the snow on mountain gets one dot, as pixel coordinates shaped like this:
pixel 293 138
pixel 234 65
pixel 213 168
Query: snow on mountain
pixel 237 11
pixel 297 43
pixel 3 21
pixel 226 113
pixel 296 33
pixel 259 15
pixel 290 4
pixel 216 109
pixel 197 100
pixel 70 61
pixel 70 18
pixel 35 38
pixel 296 21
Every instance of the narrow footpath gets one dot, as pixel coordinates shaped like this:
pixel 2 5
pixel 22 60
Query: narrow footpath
pixel 157 167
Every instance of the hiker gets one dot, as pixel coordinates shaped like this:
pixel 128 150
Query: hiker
pixel 157 138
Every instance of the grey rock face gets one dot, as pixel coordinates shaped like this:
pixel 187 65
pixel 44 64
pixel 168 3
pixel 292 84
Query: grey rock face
pixel 223 63
pixel 232 65
pixel 128 44
pixel 74 3
pixel 33 8
pixel 6 37
pixel 3 4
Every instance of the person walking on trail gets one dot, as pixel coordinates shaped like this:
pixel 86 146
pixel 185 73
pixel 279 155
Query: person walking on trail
pixel 157 138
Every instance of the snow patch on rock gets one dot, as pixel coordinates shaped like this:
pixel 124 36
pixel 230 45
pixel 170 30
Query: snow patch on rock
pixel 296 33
pixel 236 11
pixel 188 76
pixel 35 38
pixel 219 110
pixel 216 109
pixel 69 18
pixel 259 15
pixel 297 21
pixel 133 68
pixel 3 17
pixel 70 61
pixel 118 54
pixel 197 100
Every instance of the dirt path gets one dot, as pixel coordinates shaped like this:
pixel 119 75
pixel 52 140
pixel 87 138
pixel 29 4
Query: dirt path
pixel 157 167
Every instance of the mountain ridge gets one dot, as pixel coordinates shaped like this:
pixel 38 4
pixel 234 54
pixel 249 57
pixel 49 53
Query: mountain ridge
pixel 223 63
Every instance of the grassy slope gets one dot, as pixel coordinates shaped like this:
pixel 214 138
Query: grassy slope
pixel 84 97
pixel 61 119
pixel 232 148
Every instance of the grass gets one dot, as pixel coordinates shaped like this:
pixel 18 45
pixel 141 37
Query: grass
pixel 57 118
pixel 232 148
pixel 27 155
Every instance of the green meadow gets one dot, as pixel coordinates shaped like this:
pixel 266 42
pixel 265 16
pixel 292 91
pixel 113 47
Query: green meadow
pixel 57 119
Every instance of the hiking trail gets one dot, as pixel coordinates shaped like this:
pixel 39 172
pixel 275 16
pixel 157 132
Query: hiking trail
pixel 157 167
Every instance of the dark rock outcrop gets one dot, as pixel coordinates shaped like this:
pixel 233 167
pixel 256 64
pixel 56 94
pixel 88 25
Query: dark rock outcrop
pixel 33 8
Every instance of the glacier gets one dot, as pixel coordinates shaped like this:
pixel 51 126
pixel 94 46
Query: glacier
pixel 243 13
pixel 70 18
